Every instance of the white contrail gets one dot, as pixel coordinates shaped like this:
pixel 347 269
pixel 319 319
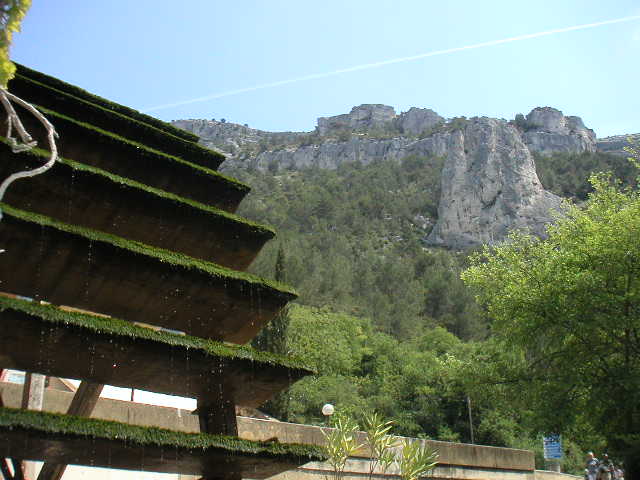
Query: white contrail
pixel 367 66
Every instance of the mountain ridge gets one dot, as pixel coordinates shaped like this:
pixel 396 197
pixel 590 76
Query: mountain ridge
pixel 484 157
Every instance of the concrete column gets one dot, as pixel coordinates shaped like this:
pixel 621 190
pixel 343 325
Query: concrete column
pixel 32 399
pixel 217 415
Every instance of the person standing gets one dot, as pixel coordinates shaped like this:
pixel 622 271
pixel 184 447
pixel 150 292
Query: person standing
pixel 592 466
pixel 606 468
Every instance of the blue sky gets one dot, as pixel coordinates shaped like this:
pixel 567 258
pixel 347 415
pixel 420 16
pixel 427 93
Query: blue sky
pixel 146 53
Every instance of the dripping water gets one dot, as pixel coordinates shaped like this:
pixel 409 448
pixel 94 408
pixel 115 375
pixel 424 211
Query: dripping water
pixel 88 274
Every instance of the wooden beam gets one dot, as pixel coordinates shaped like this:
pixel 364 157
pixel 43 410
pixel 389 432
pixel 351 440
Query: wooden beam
pixel 82 405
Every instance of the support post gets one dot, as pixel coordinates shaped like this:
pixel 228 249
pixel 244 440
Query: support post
pixel 33 391
pixel 32 399
pixel 217 415
pixel 82 405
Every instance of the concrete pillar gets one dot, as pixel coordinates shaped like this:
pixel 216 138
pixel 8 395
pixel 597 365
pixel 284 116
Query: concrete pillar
pixel 32 399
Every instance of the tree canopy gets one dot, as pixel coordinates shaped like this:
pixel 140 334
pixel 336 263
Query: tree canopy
pixel 566 318
pixel 11 14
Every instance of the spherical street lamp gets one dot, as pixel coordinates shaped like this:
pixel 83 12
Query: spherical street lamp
pixel 328 409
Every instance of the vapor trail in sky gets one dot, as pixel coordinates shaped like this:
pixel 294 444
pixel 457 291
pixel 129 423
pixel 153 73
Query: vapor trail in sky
pixel 382 63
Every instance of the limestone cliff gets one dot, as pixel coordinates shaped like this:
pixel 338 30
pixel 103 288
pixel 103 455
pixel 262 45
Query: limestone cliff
pixel 548 131
pixel 489 182
pixel 616 145
pixel 489 187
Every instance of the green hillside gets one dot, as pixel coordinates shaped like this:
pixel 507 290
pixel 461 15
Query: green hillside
pixel 384 318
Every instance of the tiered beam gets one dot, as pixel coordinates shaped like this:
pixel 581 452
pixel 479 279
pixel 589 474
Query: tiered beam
pixel 64 439
pixel 115 352
pixel 65 103
pixel 129 224
pixel 79 93
pixel 108 151
pixel 68 265
pixel 129 209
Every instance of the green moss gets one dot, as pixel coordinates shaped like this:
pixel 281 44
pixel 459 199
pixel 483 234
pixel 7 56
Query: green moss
pixel 259 229
pixel 116 327
pixel 83 94
pixel 141 149
pixel 113 121
pixel 59 424
pixel 174 258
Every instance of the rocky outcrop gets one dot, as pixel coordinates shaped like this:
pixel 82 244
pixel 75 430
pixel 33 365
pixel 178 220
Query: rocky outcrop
pixel 616 145
pixel 369 117
pixel 489 181
pixel 548 131
pixel 489 187
pixel 231 138
pixel 416 121
pixel 361 118
pixel 357 149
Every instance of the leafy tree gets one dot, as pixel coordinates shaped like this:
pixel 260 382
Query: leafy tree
pixel 566 319
pixel 567 174
pixel 273 338
pixel 11 14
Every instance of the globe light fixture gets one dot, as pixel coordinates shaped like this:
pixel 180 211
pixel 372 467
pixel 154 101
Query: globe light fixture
pixel 328 409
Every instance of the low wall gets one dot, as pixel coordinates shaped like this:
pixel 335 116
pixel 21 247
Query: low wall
pixel 456 461
pixel 549 475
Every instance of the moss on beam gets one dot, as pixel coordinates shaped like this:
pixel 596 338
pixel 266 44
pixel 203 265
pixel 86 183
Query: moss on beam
pixel 262 230
pixel 142 149
pixel 114 121
pixel 117 327
pixel 166 256
pixel 59 424
pixel 115 107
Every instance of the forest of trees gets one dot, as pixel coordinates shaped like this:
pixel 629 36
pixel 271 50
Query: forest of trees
pixel 386 319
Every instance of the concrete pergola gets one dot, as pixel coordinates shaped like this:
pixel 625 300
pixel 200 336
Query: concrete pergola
pixel 135 223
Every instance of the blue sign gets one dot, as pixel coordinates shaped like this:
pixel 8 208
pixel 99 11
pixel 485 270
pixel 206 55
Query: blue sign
pixel 552 447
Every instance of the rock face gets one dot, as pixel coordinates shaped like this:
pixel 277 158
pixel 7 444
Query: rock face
pixel 489 187
pixel 418 120
pixel 616 145
pixel 489 181
pixel 548 131
pixel 363 117
pixel 357 149
pixel 230 138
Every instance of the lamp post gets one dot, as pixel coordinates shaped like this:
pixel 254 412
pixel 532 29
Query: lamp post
pixel 327 411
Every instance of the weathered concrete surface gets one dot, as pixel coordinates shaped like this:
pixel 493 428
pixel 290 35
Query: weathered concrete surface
pixel 128 160
pixel 132 213
pixel 549 475
pixel 75 448
pixel 457 461
pixel 63 268
pixel 130 362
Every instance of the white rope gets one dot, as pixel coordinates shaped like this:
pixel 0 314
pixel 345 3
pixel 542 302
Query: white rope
pixel 27 142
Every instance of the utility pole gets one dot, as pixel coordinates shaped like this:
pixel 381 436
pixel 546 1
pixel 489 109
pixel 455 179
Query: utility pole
pixel 470 419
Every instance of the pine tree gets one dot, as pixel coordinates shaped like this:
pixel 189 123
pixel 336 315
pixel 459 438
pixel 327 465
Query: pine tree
pixel 273 338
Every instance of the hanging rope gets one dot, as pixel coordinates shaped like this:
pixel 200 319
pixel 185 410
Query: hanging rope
pixel 26 141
